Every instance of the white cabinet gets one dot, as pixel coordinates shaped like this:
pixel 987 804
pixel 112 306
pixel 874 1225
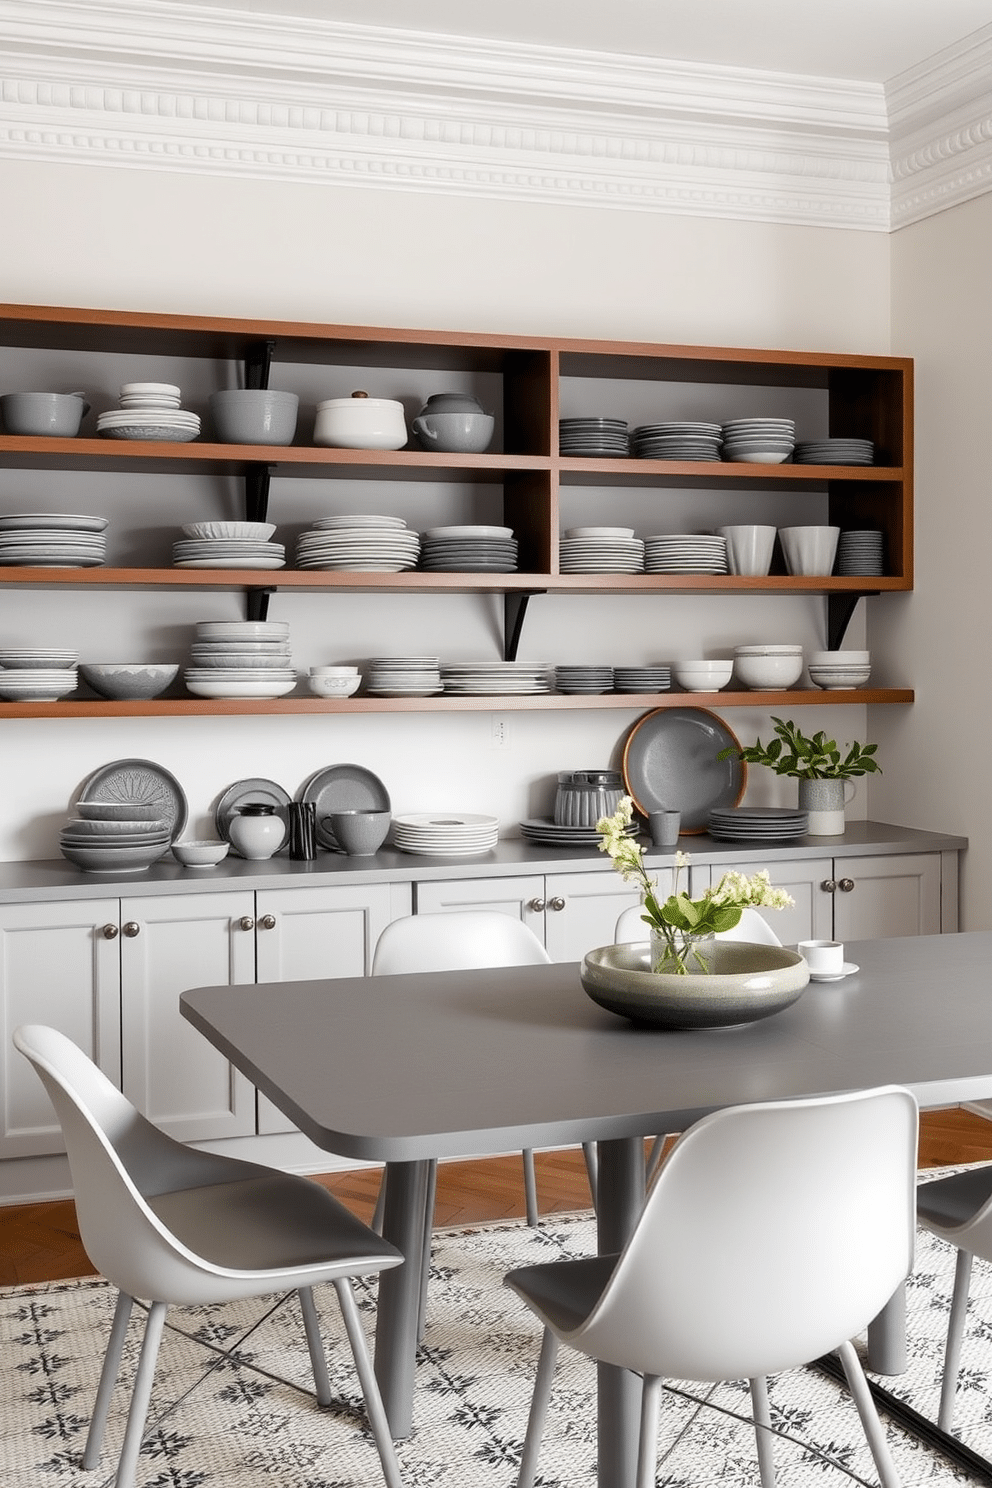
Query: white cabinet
pixel 58 967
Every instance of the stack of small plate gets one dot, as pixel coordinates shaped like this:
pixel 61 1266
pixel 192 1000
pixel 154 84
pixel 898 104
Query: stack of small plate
pixel 642 678
pixel 677 439
pixel 240 659
pixel 446 833
pixel 52 540
pixel 494 678
pixel 468 550
pixel 583 679
pixel 759 441
pixel 545 830
pixel 114 838
pixel 228 545
pixel 150 410
pixel 609 437
pixel 757 823
pixel 860 553
pixel 359 544
pixel 43 680
pixel 685 552
pixel 601 550
pixel 403 676
pixel 835 452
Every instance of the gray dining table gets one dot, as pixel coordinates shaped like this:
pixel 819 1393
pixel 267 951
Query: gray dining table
pixel 403 1069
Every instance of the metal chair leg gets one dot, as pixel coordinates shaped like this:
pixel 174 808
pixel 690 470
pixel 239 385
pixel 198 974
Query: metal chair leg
pixel 873 1428
pixel 762 1431
pixel 538 1409
pixel 955 1334
pixel 140 1397
pixel 108 1379
pixel 315 1343
pixel 425 1259
pixel 374 1407
pixel 530 1187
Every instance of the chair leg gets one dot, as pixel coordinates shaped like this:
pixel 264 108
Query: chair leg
pixel 108 1379
pixel 315 1343
pixel 538 1409
pixel 374 1408
pixel 647 1447
pixel 380 1205
pixel 873 1428
pixel 530 1187
pixel 591 1154
pixel 141 1395
pixel 955 1333
pixel 425 1259
pixel 762 1431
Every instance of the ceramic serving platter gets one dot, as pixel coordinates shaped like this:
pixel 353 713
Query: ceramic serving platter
pixel 141 782
pixel 670 763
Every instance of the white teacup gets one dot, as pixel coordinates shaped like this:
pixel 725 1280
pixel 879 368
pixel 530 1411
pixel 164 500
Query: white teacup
pixel 823 957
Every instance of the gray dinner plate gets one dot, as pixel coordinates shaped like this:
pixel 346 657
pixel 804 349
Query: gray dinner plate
pixel 343 788
pixel 670 763
pixel 143 783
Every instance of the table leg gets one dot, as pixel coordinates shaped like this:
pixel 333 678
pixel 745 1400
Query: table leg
pixel 399 1293
pixel 619 1198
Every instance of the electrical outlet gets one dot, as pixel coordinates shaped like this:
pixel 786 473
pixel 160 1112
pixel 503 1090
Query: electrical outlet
pixel 501 731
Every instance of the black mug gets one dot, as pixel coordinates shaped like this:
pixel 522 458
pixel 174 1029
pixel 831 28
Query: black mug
pixel 302 830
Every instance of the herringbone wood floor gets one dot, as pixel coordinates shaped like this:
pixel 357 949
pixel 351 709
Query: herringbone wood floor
pixel 40 1242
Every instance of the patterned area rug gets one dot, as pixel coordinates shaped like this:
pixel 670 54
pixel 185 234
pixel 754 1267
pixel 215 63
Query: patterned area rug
pixel 232 1406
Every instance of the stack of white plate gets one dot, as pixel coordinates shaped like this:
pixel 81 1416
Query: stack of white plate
pixel 601 550
pixel 757 823
pixel 241 659
pixel 642 678
pixel 123 838
pixel 445 833
pixel 359 544
pixel 583 679
pixel 37 684
pixel 860 553
pixel 484 679
pixel 759 441
pixel 835 452
pixel 403 676
pixel 594 436
pixel 468 549
pixel 678 439
pixel 37 656
pixel 150 410
pixel 53 540
pixel 228 545
pixel 685 552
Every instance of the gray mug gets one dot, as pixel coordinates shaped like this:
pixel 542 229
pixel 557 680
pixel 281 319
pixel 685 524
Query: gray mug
pixel 664 827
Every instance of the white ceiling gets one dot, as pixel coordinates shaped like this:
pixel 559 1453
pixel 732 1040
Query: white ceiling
pixel 866 40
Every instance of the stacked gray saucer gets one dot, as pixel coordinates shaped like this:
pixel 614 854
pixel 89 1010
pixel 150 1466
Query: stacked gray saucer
pixel 835 452
pixel 584 679
pixel 860 552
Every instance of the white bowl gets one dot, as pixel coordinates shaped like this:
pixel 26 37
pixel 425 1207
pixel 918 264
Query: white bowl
pixel 196 854
pixel 360 422
pixel 769 672
pixel 254 531
pixel 334 671
pixel 764 650
pixel 333 687
pixel 246 687
pixel 839 658
pixel 703 676
pixel 836 681
pixel 123 679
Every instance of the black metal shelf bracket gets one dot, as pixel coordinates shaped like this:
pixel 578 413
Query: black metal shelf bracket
pixel 258 361
pixel 514 610
pixel 257 481
pixel 840 611
pixel 257 603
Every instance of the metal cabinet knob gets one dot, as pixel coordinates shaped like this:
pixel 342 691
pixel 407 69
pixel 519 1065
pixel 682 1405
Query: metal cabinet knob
pixel 246 922
pixel 131 929
pixel 267 922
pixel 829 885
pixel 846 885
pixel 556 903
pixel 537 905
pixel 110 932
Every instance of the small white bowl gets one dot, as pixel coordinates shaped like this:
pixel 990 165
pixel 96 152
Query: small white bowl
pixel 197 854
pixel 334 671
pixel 703 676
pixel 840 658
pixel 333 687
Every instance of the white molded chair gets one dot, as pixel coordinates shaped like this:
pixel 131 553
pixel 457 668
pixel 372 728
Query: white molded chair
pixel 751 926
pixel 959 1209
pixel 170 1224
pixel 774 1233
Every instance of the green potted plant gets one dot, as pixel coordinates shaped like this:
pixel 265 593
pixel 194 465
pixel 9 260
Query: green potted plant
pixel 820 766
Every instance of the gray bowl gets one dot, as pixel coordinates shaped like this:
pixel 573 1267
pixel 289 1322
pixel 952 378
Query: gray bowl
pixel 128 680
pixel 360 833
pixel 254 416
pixel 458 433
pixel 52 414
pixel 746 982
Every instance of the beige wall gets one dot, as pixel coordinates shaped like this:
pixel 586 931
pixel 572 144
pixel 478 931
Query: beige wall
pixel 159 241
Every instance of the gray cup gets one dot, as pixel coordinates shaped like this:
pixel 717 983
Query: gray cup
pixel 664 827
pixel 360 833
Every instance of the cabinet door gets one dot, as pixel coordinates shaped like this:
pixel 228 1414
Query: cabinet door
pixel 171 1072
pixel 56 967
pixel 897 895
pixel 811 917
pixel 307 934
pixel 522 897
pixel 583 909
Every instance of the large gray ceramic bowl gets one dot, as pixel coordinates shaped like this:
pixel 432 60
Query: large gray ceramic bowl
pixel 457 433
pixel 254 416
pixel 123 680
pixel 55 415
pixel 748 982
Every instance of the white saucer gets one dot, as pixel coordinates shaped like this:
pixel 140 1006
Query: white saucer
pixel 836 976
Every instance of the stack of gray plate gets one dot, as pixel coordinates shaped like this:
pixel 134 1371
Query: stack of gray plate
pixel 601 550
pixel 240 659
pixel 545 830
pixel 860 553
pixel 52 540
pixel 468 549
pixel 677 439
pixel 757 823
pixel 228 545
pixel 835 452
pixel 759 441
pixel 584 679
pixel 685 552
pixel 37 674
pixel 493 678
pixel 106 837
pixel 359 544
pixel 403 676
pixel 593 436
pixel 642 678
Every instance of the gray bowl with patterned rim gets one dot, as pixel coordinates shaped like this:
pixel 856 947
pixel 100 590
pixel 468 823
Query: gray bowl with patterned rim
pixel 748 982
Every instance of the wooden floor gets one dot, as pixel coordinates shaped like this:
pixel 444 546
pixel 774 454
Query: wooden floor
pixel 40 1242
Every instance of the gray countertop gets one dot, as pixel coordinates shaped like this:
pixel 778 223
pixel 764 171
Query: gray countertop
pixel 37 882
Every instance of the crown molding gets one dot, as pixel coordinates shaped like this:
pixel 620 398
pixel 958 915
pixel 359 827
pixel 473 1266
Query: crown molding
pixel 133 84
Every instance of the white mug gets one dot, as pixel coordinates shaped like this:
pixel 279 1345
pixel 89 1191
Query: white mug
pixel 823 957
